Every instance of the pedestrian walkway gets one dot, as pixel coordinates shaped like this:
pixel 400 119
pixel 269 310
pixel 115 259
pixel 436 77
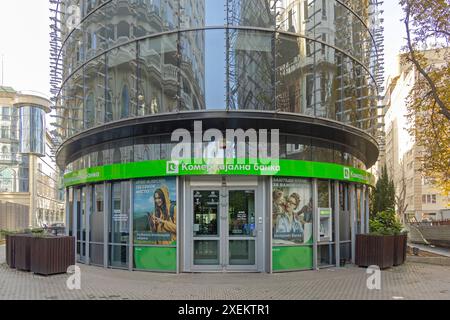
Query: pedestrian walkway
pixel 436 250
pixel 410 281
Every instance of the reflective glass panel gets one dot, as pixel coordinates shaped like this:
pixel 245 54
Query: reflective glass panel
pixel 242 252
pixel 241 212
pixel 206 252
pixel 206 213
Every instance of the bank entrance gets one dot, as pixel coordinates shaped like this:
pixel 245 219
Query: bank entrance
pixel 225 225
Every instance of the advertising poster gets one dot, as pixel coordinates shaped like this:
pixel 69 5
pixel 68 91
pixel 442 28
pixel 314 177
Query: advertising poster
pixel 292 211
pixel 155 212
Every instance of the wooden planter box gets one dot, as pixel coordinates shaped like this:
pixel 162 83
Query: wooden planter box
pixel 10 259
pixel 52 255
pixel 21 251
pixel 400 246
pixel 374 250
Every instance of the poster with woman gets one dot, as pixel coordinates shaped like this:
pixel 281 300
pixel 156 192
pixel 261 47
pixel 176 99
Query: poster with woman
pixel 292 211
pixel 155 211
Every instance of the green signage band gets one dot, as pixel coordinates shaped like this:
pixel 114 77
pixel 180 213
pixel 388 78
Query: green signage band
pixel 258 167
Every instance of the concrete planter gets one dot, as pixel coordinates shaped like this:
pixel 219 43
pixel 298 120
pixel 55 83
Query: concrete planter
pixel 374 250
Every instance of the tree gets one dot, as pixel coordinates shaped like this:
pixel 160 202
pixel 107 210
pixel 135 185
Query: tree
pixel 384 195
pixel 427 26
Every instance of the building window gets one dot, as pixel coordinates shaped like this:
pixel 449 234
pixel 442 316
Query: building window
pixel 125 102
pixel 324 39
pixel 429 198
pixel 324 9
pixel 6 113
pixel 309 90
pixel 305 10
pixel 5 132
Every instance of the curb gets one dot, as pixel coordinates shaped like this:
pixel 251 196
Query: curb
pixel 440 261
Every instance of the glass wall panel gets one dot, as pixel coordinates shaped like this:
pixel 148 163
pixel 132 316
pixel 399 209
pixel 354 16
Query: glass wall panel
pixel 203 70
pixel 119 224
pixel 147 148
pixel 251 59
pixel 80 196
pixel 359 209
pixel 298 148
pixel 96 222
pixel 323 191
pixel 326 255
pixel 322 151
pixel 254 13
pixel 118 256
pixel 346 251
pixel 121 82
pixel 227 68
pixel 344 213
pixel 158 75
pixel 120 212
pixel 290 73
pixel 70 211
pixel 75 102
pixel 96 254
pixel 215 12
pixel 94 80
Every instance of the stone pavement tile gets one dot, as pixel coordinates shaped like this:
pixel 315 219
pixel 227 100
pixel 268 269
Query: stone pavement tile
pixel 410 281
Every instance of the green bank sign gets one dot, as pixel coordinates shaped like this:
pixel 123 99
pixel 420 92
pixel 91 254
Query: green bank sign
pixel 163 168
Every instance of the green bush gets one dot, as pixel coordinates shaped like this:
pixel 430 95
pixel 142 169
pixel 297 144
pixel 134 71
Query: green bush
pixel 385 223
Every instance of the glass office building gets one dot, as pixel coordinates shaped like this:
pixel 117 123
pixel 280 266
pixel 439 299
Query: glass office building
pixel 132 72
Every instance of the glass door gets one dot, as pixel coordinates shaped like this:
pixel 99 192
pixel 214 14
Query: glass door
pixel 240 244
pixel 224 234
pixel 206 229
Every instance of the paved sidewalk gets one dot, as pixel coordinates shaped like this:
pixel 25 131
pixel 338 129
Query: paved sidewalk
pixel 437 250
pixel 410 281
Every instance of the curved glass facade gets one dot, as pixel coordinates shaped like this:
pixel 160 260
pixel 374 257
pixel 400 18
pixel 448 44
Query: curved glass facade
pixel 138 58
pixel 128 200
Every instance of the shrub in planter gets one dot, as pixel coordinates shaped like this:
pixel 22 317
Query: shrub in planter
pixel 385 246
pixel 385 223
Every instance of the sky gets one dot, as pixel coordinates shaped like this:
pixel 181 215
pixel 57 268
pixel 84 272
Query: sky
pixel 24 42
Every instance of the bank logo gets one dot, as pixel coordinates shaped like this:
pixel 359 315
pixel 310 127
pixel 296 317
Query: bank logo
pixel 347 173
pixel 172 167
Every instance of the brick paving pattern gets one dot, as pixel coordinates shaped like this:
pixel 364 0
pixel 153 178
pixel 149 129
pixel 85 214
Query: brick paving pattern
pixel 410 281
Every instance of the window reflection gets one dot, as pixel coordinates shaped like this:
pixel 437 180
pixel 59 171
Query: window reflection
pixel 218 69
